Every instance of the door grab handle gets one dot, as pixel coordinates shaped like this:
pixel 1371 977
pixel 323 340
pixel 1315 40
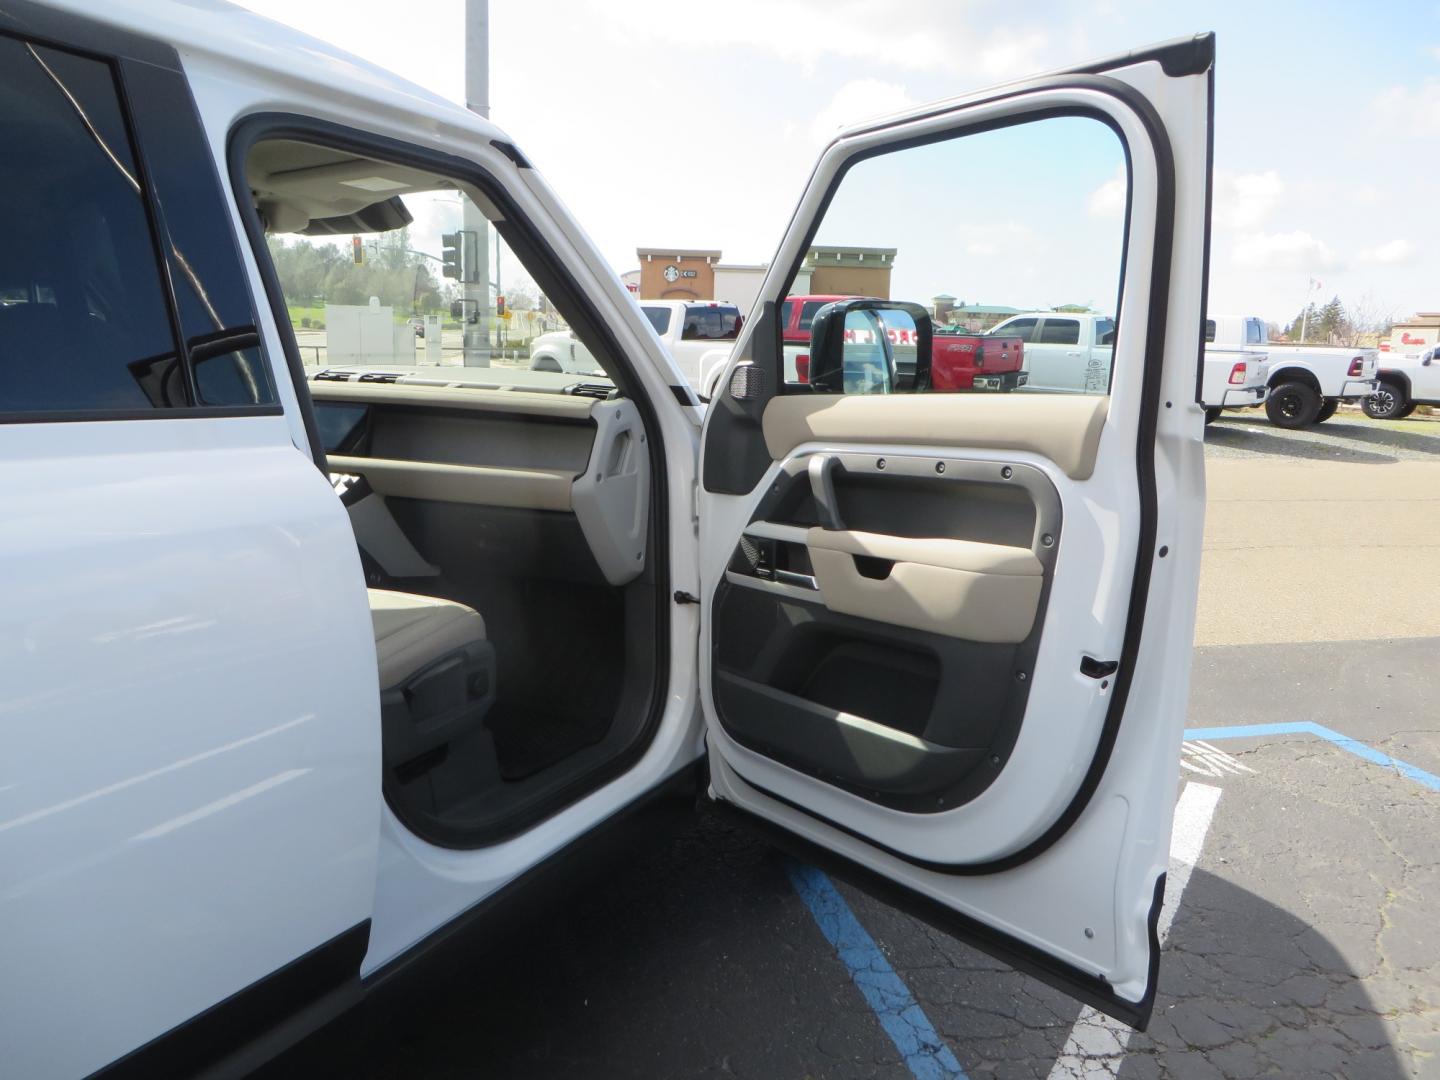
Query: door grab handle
pixel 822 487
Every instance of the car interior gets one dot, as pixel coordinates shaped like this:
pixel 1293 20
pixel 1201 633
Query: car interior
pixel 504 522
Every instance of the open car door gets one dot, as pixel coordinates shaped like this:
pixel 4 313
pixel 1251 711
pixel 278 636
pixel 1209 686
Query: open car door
pixel 946 636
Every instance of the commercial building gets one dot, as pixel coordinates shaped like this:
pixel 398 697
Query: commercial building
pixel 687 274
pixel 1417 335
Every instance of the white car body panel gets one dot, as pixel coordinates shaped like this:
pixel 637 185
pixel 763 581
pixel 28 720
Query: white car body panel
pixel 177 593
pixel 1080 368
pixel 1417 372
pixel 1218 391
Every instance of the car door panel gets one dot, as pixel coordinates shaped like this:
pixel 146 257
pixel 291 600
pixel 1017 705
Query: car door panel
pixel 922 674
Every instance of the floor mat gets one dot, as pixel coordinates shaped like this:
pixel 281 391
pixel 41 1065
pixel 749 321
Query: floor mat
pixel 528 740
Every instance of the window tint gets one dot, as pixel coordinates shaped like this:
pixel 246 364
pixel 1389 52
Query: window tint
pixel 659 318
pixel 1021 328
pixel 1254 332
pixel 85 324
pixel 1104 332
pixel 1060 332
pixel 1209 329
pixel 711 322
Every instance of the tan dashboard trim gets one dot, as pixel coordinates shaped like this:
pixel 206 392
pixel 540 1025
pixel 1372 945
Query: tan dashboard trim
pixel 527 403
pixel 1065 428
pixel 526 489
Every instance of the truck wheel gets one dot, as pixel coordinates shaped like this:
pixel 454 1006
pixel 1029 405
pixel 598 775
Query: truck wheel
pixel 1385 403
pixel 1409 407
pixel 1327 410
pixel 1211 415
pixel 1292 405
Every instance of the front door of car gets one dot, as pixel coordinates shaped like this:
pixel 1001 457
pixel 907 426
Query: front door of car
pixel 946 637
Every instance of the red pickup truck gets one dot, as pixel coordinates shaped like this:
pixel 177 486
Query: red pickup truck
pixel 958 360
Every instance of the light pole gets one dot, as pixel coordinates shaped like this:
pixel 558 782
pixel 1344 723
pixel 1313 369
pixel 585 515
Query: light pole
pixel 476 284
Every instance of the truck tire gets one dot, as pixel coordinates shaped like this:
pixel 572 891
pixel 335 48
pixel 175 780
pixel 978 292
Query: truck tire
pixel 1386 403
pixel 1410 406
pixel 1293 405
pixel 1327 409
pixel 1211 415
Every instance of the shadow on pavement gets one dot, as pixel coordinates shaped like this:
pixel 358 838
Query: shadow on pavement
pixel 1252 439
pixel 693 958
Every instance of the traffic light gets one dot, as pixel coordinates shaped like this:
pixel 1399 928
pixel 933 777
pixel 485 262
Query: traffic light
pixel 500 306
pixel 450 252
pixel 358 250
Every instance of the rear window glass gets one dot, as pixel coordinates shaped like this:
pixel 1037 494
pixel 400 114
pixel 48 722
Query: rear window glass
pixel 1254 332
pixel 1060 332
pixel 1104 332
pixel 659 318
pixel 85 323
pixel 712 323
pixel 807 312
pixel 1209 329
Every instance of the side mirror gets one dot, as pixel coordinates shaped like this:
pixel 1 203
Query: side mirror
pixel 865 346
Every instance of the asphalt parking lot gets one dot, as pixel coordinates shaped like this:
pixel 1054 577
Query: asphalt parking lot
pixel 1303 942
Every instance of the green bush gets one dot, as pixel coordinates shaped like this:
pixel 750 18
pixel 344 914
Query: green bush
pixel 305 322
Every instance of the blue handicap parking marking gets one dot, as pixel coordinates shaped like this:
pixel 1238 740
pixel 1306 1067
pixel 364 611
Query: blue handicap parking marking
pixel 925 1053
pixel 1309 727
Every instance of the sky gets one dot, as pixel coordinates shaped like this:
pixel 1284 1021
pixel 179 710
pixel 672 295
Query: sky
pixel 1327 141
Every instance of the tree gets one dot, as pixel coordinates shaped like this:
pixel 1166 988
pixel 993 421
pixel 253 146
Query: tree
pixel 1367 322
pixel 1332 319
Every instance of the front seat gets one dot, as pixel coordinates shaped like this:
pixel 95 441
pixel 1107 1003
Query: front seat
pixel 437 676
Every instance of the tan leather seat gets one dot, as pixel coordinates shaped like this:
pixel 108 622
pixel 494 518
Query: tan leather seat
pixel 413 631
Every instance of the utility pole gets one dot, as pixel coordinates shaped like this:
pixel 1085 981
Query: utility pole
pixel 476 284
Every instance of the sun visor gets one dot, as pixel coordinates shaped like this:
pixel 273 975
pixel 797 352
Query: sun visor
pixel 378 217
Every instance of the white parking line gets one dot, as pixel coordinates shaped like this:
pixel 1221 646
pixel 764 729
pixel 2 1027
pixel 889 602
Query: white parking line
pixel 1096 1046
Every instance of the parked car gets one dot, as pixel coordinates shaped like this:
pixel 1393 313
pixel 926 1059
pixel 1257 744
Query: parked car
pixel 1233 379
pixel 958 361
pixel 417 323
pixel 697 333
pixel 1406 380
pixel 1307 382
pixel 277 648
pixel 1065 352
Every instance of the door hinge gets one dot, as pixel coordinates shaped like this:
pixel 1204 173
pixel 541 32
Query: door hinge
pixel 682 597
pixel 1097 669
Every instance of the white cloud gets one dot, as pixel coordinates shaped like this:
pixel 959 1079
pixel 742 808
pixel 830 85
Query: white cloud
pixel 1244 201
pixel 1108 200
pixel 856 101
pixel 1414 112
pixel 1296 250
pixel 1396 251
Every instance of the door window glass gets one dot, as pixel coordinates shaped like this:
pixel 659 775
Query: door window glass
pixel 1060 332
pixel 949 226
pixel 1209 330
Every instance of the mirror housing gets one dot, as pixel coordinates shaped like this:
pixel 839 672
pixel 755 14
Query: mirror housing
pixel 827 345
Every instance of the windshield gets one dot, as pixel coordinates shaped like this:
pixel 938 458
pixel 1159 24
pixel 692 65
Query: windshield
pixel 659 318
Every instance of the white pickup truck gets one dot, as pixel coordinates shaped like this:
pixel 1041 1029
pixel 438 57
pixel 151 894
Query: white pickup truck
pixel 1406 380
pixel 698 334
pixel 1065 351
pixel 1307 382
pixel 1233 379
